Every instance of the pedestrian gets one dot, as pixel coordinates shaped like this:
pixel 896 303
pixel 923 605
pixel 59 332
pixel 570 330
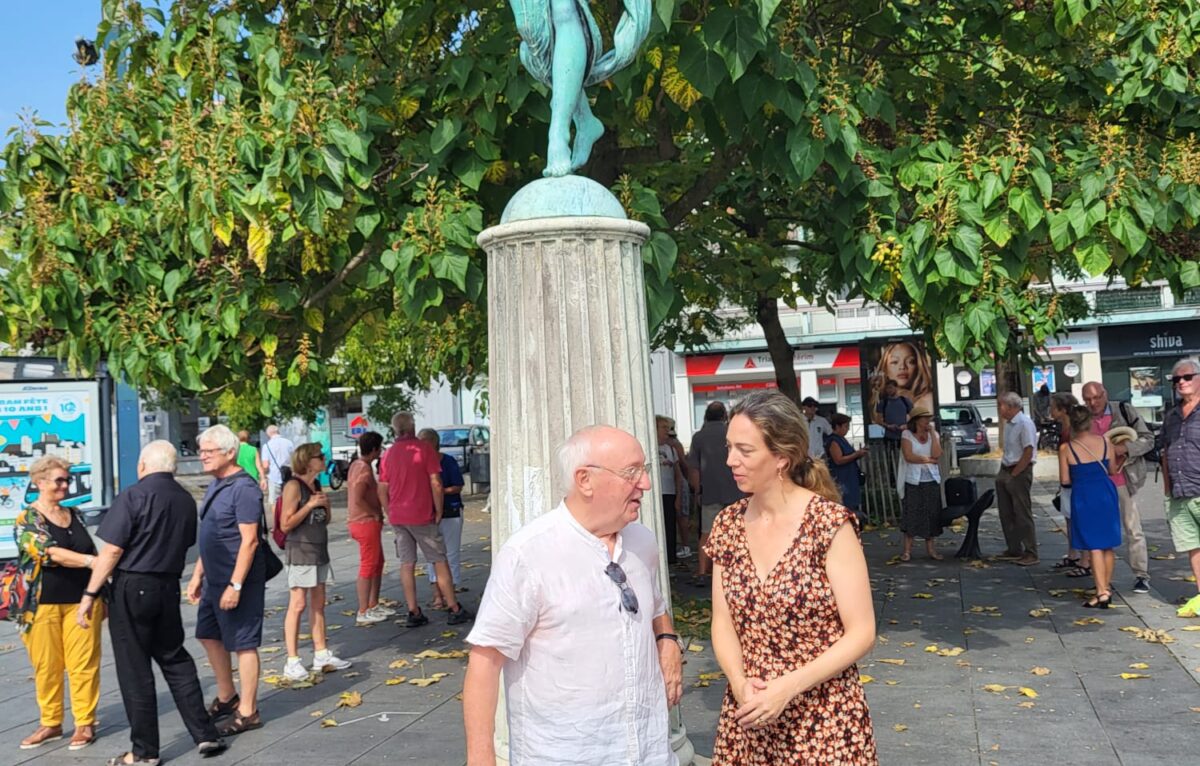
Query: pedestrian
pixel 364 519
pixel 54 556
pixel 891 412
pixel 305 514
pixel 1084 463
pixel 843 461
pixel 574 618
pixel 1040 405
pixel 250 459
pixel 683 519
pixel 818 428
pixel 451 525
pixel 1076 563
pixel 791 599
pixel 147 533
pixel 410 490
pixel 671 486
pixel 1130 476
pixel 229 581
pixel 711 479
pixel 1181 470
pixel 921 488
pixel 1014 482
pixel 277 456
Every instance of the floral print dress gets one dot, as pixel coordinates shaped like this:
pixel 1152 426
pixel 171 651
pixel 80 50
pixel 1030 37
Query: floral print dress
pixel 785 621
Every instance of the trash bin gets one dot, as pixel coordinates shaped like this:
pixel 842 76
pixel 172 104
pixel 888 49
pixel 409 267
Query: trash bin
pixel 481 467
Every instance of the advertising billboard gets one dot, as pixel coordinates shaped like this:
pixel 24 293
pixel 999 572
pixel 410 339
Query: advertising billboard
pixel 39 419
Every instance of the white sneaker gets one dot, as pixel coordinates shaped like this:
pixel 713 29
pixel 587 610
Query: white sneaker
pixel 683 552
pixel 294 670
pixel 326 660
pixel 386 611
pixel 369 617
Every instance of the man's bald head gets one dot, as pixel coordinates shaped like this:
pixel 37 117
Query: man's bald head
pixel 404 424
pixel 1095 396
pixel 583 448
pixel 603 470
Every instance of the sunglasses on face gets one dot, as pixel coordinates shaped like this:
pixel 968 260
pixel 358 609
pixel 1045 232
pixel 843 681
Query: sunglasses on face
pixel 61 481
pixel 1184 378
pixel 629 600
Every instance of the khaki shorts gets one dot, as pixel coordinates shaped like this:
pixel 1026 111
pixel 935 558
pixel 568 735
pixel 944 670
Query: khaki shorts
pixel 708 514
pixel 1183 517
pixel 427 537
pixel 309 575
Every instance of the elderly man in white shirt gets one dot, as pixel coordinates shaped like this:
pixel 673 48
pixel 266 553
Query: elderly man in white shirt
pixel 574 616
pixel 1014 482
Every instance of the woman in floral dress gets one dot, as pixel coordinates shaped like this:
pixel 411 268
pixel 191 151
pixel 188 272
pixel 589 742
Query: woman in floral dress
pixel 792 609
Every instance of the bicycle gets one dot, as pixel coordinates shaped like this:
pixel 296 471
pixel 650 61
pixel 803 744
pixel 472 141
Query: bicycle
pixel 1049 435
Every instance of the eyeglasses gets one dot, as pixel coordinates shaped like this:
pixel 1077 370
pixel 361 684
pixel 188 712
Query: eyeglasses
pixel 1187 378
pixel 632 475
pixel 62 481
pixel 210 451
pixel 628 597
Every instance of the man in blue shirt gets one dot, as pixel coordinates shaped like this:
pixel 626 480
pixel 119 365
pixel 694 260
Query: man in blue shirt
pixel 452 507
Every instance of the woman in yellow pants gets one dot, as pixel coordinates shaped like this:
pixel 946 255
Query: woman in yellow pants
pixel 55 555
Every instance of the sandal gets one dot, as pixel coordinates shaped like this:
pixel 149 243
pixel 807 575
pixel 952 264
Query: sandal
pixel 906 557
pixel 218 709
pixel 1066 563
pixel 119 760
pixel 84 735
pixel 1079 571
pixel 1100 601
pixel 241 724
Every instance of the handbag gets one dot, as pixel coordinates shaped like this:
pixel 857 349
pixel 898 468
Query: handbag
pixel 272 562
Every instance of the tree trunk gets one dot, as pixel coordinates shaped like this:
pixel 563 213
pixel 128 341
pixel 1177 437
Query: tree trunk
pixel 782 356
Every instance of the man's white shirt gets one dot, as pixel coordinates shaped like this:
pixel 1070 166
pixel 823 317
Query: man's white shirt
pixel 818 429
pixel 582 679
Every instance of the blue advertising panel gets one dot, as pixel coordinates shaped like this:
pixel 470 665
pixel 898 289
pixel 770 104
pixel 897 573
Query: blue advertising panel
pixel 39 419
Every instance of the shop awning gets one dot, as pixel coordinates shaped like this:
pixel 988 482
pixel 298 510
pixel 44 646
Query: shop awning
pixel 709 365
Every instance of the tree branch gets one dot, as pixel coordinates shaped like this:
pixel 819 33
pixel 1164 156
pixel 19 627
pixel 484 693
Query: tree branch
pixel 718 171
pixel 362 256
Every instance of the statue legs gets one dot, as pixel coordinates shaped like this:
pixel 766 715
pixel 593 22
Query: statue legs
pixel 588 130
pixel 568 102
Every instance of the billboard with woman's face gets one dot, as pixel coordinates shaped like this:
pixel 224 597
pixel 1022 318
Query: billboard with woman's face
pixel 894 370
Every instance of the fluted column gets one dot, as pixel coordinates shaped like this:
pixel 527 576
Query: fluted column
pixel 568 347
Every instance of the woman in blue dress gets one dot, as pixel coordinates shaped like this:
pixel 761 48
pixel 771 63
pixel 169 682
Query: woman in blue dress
pixel 1095 522
pixel 843 463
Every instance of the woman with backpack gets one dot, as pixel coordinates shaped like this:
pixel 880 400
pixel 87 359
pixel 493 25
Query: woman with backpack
pixel 304 517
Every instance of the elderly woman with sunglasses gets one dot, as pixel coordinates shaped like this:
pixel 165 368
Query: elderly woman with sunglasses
pixel 55 554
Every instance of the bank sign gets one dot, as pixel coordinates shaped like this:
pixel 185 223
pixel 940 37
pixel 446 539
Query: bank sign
pixel 1170 339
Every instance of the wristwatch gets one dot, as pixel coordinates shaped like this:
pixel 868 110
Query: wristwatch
pixel 678 641
pixel 237 587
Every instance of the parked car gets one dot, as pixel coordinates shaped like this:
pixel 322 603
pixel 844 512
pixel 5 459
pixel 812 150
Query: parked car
pixel 461 440
pixel 967 427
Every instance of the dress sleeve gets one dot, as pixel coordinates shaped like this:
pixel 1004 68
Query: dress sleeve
pixel 829 523
pixel 719 547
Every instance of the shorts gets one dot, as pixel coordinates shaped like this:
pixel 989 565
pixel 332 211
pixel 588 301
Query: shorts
pixel 427 537
pixel 238 629
pixel 369 536
pixel 309 575
pixel 708 514
pixel 1183 516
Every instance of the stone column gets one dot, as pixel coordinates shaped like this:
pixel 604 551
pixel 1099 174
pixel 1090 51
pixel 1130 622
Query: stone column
pixel 567 348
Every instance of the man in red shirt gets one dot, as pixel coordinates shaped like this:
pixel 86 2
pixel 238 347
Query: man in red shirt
pixel 410 490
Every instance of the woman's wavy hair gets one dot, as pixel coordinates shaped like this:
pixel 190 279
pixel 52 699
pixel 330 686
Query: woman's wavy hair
pixel 305 453
pixel 785 432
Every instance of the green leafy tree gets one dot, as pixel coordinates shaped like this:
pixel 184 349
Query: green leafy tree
pixel 243 185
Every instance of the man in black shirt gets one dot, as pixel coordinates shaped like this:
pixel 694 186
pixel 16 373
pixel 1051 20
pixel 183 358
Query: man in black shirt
pixel 148 532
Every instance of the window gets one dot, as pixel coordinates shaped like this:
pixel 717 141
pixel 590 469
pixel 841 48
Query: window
pixel 1128 300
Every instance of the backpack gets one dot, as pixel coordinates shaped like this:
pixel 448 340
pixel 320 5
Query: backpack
pixel 277 533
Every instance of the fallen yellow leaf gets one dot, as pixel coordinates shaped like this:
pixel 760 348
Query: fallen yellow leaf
pixel 891 683
pixel 865 679
pixel 716 676
pixel 900 727
pixel 922 595
pixel 316 714
pixel 1088 621
pixel 274 649
pixel 1040 671
pixel 1139 666
pixel 398 664
pixel 892 662
pixel 1131 676
pixel 395 680
pixel 995 688
pixel 1190 627
pixel 348 613
pixel 914 643
pixel 350 699
pixel 449 633
pixel 1040 612
pixel 1025 691
pixel 951 652
pixel 328 723
pixel 430 654
pixel 1025 704
pixel 695 648
pixel 932 648
pixel 304 636
pixel 423 682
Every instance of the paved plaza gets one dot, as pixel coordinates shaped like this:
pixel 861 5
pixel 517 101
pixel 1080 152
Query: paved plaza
pixel 952 680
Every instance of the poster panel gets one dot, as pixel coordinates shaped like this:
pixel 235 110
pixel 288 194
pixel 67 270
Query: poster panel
pixel 907 364
pixel 1043 375
pixel 40 419
pixel 1145 386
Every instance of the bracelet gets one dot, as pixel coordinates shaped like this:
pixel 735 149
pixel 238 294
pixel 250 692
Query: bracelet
pixel 92 594
pixel 88 561
pixel 678 641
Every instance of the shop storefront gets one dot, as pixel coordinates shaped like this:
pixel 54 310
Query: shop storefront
pixel 830 375
pixel 1137 361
